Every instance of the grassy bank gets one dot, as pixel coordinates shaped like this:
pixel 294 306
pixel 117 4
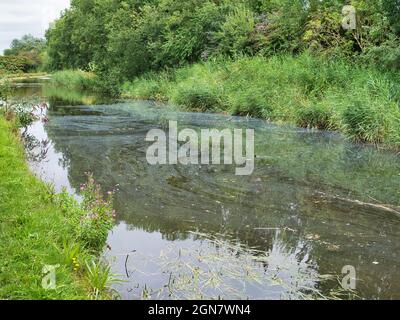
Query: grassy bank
pixel 39 228
pixel 88 81
pixel 74 79
pixel 306 91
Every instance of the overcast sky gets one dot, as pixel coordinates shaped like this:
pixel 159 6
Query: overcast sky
pixel 19 17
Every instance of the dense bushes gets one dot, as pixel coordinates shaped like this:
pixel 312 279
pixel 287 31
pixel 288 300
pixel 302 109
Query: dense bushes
pixel 359 101
pixel 131 37
pixel 30 51
pixel 14 64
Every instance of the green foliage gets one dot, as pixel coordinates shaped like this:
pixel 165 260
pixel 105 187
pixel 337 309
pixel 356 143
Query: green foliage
pixel 315 116
pixel 14 64
pixel 29 49
pixel 70 251
pixel 100 278
pixel 126 41
pixel 27 43
pixel 387 54
pixel 5 91
pixel 360 102
pixel 199 97
pixel 25 117
pixel 31 225
pixel 392 9
pixel 92 219
pixel 24 114
pixel 146 88
pixel 235 35
pixel 98 217
pixel 76 79
pixel 42 227
pixel 121 40
pixel 372 122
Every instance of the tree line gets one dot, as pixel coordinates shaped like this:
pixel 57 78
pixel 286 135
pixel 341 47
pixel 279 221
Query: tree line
pixel 130 37
pixel 122 39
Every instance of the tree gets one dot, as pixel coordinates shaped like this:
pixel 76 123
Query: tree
pixel 27 43
pixel 28 49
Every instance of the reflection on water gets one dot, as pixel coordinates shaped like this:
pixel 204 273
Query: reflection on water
pixel 314 203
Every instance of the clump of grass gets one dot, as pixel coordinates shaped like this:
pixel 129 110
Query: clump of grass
pixel 315 116
pixel 142 89
pixel 151 86
pixel 250 102
pixel 371 122
pixel 100 278
pixel 71 250
pixel 74 79
pixel 196 96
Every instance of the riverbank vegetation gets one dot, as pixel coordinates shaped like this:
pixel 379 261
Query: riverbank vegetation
pixel 361 102
pixel 25 55
pixel 283 60
pixel 48 229
pixel 74 79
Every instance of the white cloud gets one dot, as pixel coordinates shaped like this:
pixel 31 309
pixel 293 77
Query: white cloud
pixel 20 17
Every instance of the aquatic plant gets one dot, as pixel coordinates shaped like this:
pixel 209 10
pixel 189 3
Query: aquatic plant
pixel 227 269
pixel 100 279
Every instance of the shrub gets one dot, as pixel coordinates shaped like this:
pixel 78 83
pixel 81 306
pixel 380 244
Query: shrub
pixel 143 88
pixel 386 54
pixel 252 101
pixel 196 96
pixel 14 64
pixel 235 34
pixel 100 278
pixel 314 116
pixel 370 121
pixel 98 215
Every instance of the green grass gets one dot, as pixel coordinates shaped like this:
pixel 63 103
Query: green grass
pixel 74 79
pixel 306 91
pixel 86 81
pixel 37 228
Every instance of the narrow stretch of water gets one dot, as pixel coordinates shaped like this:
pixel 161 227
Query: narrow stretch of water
pixel 314 204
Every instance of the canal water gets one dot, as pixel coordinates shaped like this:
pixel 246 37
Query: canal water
pixel 314 204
